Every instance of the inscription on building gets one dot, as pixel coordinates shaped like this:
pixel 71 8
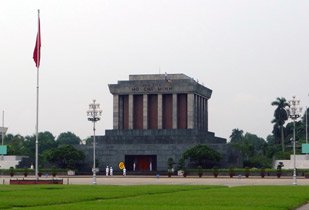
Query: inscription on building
pixel 149 88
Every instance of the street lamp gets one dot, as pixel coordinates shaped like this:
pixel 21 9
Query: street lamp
pixel 94 114
pixel 294 113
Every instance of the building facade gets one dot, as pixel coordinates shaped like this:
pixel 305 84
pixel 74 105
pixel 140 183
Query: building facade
pixel 156 117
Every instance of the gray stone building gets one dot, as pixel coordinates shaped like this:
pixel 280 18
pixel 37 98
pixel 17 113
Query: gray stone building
pixel 156 117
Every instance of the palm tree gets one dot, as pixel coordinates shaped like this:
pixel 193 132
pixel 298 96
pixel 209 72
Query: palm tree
pixel 281 116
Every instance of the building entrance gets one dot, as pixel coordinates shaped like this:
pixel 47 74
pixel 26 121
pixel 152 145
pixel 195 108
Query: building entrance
pixel 141 162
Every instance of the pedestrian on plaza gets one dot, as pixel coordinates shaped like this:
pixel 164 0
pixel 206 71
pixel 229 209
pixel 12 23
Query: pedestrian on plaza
pixel 106 171
pixel 111 171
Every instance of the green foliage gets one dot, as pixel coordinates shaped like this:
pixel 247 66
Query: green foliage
pixel 65 156
pixel 170 163
pixel 253 149
pixel 236 136
pixel 281 116
pixel 12 171
pixel 200 171
pixel 202 155
pixel 215 171
pixel 258 162
pixel 26 172
pixel 54 171
pixel 68 138
pixel 280 113
pixel 282 155
pixel 89 140
pixel 181 164
pixel 46 141
pixel 153 197
pixel 247 172
pixel 49 153
pixel 231 172
pixel 263 172
pixel 16 145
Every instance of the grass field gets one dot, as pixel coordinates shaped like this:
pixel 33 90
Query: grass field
pixel 68 197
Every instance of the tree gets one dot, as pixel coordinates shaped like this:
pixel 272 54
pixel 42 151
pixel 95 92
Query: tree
pixel 252 148
pixel 46 142
pixel 68 138
pixel 16 145
pixel 202 155
pixel 281 116
pixel 65 156
pixel 272 146
pixel 88 140
pixel 236 136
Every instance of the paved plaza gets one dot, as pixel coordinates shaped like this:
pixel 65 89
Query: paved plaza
pixel 164 180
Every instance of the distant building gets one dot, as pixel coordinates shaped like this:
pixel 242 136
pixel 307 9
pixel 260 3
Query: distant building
pixel 301 162
pixel 156 117
pixel 8 161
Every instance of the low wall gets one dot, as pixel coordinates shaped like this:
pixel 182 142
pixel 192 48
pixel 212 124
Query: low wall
pixel 34 181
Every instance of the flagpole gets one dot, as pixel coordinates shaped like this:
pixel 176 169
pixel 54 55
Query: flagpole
pixel 307 124
pixel 37 112
pixel 37 127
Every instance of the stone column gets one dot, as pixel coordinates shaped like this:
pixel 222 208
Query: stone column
pixel 195 111
pixel 175 111
pixel 159 111
pixel 206 114
pixel 115 112
pixel 203 113
pixel 130 111
pixel 190 114
pixel 198 112
pixel 145 111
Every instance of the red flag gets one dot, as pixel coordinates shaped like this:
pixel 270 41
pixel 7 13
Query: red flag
pixel 37 49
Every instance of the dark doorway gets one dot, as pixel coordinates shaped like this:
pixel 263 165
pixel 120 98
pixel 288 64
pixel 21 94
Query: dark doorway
pixel 141 162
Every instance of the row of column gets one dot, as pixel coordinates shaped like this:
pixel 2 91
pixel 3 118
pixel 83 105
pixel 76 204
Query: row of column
pixel 160 111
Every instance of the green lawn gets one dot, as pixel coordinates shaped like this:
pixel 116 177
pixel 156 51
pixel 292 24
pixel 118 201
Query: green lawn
pixel 68 197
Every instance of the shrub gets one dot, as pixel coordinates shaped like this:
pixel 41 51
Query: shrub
pixel 231 172
pixel 26 172
pixel 200 171
pixel 247 172
pixel 262 172
pixel 12 171
pixel 215 172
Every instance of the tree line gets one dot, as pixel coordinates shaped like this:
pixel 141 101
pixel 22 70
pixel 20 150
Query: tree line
pixel 53 152
pixel 259 152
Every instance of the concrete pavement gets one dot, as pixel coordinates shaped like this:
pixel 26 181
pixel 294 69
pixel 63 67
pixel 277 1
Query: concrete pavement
pixel 175 180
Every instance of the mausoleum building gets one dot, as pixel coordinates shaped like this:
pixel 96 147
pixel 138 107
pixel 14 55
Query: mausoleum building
pixel 156 117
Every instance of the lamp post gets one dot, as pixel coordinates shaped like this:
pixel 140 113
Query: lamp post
pixel 94 114
pixel 294 113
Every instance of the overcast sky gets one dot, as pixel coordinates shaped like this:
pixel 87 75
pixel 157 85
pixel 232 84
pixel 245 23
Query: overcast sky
pixel 248 52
